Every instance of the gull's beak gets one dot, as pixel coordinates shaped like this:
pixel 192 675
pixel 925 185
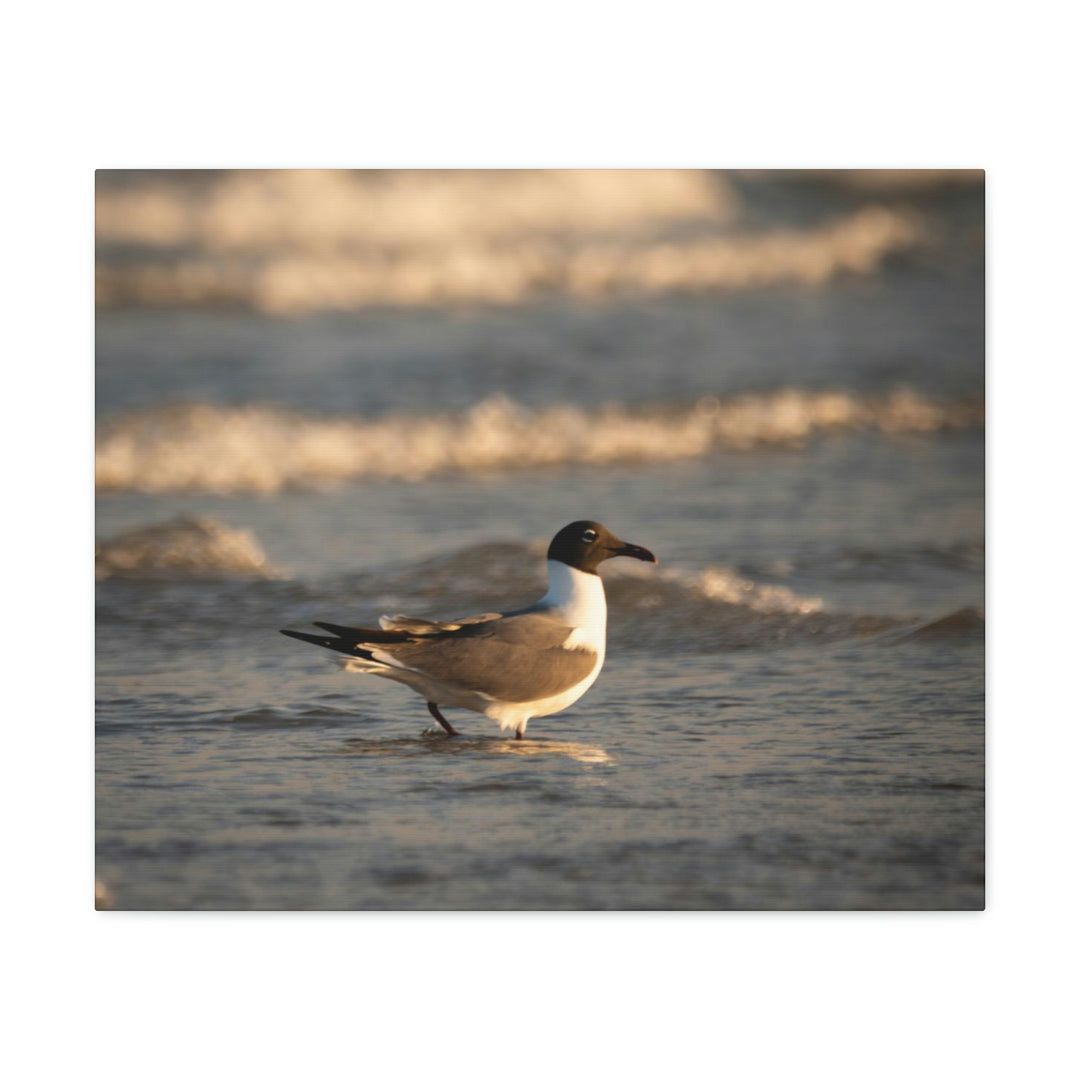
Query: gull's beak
pixel 634 552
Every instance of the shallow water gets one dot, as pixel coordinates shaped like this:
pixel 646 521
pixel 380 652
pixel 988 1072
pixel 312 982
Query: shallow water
pixel 776 725
pixel 788 779
pixel 791 713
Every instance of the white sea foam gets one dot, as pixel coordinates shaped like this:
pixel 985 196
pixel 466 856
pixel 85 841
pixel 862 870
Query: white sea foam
pixel 291 242
pixel 719 583
pixel 327 210
pixel 472 271
pixel 256 448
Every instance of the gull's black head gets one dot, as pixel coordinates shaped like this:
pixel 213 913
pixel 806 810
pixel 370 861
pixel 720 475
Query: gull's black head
pixel 584 545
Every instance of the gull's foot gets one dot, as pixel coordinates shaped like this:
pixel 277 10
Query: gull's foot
pixel 447 726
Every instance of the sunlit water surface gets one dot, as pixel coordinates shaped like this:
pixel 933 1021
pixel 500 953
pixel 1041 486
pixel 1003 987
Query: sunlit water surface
pixel 791 713
pixel 820 745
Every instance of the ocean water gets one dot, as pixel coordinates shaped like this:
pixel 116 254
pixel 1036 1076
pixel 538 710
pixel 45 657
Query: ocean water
pixel 791 714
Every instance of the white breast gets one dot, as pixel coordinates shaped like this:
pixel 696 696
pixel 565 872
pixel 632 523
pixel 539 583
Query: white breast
pixel 578 600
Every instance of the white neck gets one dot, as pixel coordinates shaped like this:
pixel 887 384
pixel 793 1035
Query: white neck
pixel 577 597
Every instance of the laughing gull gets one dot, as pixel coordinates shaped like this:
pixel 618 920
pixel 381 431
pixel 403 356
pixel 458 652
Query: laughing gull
pixel 510 666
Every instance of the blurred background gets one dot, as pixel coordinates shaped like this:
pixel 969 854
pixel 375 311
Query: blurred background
pixel 330 394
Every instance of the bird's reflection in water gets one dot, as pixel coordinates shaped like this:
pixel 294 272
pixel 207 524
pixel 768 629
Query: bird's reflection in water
pixel 434 741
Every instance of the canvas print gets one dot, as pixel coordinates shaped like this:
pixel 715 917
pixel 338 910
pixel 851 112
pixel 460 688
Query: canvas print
pixel 540 540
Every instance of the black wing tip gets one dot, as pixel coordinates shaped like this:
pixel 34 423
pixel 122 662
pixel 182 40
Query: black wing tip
pixel 350 640
pixel 314 639
pixel 337 644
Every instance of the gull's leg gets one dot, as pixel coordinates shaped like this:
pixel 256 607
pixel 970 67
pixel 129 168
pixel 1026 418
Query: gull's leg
pixel 519 734
pixel 434 710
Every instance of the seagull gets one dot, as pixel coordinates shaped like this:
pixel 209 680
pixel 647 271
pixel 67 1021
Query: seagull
pixel 510 666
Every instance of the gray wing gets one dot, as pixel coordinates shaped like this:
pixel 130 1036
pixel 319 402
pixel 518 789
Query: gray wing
pixel 513 658
pixel 417 626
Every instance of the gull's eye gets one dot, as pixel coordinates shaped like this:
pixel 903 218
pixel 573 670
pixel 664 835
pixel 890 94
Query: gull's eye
pixel 588 536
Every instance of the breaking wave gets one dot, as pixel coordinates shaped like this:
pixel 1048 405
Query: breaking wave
pixel 332 210
pixel 185 547
pixel 489 573
pixel 259 448
pixel 476 273
pixel 471 272
pixel 717 583
pixel 652 607
pixel 713 608
pixel 293 242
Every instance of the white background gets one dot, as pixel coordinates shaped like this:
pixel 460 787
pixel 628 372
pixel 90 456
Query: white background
pixel 585 84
